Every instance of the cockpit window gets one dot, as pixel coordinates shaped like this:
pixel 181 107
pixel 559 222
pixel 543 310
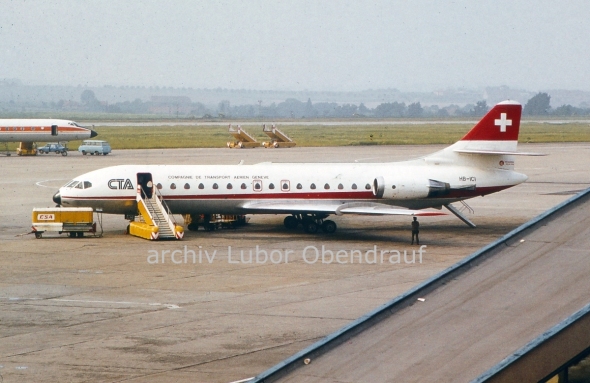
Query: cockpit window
pixel 75 184
pixel 80 185
pixel 87 184
pixel 69 184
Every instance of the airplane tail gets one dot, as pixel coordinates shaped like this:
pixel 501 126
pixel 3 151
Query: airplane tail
pixel 491 143
pixel 497 131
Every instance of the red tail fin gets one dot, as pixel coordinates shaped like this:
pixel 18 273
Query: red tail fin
pixel 502 123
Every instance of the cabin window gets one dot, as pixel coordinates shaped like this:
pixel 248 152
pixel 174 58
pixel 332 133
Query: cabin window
pixel 368 187
pixel 230 186
pixel 271 186
pixel 299 186
pixel 173 186
pixel 285 185
pixel 243 186
pixel 159 186
pixel 215 186
pixel 201 186
pixel 340 186
pixel 353 186
pixel 326 186
pixel 187 186
pixel 87 185
pixel 257 185
pixel 312 186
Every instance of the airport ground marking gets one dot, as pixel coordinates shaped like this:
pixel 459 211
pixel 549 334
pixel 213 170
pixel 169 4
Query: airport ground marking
pixel 169 306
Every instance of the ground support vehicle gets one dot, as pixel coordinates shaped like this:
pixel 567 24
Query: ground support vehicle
pixel 278 139
pixel 243 139
pixel 26 149
pixel 54 147
pixel 74 221
pixel 95 147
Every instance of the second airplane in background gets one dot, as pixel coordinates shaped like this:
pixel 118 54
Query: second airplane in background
pixel 28 131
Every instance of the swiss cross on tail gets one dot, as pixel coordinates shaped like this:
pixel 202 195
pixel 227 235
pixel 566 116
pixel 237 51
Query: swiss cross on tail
pixel 501 123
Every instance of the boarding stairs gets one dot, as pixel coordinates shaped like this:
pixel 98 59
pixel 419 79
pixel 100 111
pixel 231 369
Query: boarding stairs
pixel 154 212
pixel 244 139
pixel 460 212
pixel 278 138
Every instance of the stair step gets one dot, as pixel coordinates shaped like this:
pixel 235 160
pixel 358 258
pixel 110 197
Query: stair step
pixel 159 218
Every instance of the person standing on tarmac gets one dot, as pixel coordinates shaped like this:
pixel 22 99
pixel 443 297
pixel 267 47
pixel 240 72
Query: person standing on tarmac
pixel 415 230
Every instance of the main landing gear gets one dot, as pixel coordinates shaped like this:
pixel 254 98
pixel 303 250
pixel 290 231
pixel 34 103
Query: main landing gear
pixel 311 223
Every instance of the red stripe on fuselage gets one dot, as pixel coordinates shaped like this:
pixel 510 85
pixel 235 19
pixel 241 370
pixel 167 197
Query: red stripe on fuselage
pixel 251 196
pixel 285 195
pixel 39 129
pixel 364 195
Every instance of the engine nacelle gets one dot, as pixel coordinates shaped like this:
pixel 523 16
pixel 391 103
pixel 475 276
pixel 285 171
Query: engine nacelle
pixel 409 188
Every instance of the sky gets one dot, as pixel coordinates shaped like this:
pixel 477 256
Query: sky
pixel 298 45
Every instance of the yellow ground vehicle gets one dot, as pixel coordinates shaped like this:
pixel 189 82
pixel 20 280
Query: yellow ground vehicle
pixel 75 221
pixel 244 139
pixel 278 139
pixel 27 149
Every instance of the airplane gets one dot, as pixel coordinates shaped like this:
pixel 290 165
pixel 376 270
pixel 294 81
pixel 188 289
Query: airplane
pixel 481 163
pixel 28 131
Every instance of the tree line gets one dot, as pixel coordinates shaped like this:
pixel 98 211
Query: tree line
pixel 183 107
pixel 538 105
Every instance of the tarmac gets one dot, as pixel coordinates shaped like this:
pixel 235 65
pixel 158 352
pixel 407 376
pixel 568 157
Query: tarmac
pixel 96 309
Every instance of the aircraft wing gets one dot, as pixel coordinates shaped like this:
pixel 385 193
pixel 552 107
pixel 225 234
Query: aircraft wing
pixel 362 208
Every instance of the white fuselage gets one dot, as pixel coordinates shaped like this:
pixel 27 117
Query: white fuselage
pixel 42 130
pixel 236 189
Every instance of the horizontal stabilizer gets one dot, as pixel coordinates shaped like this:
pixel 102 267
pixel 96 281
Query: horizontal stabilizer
pixel 498 152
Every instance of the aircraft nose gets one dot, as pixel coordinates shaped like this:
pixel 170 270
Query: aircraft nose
pixel 93 133
pixel 57 198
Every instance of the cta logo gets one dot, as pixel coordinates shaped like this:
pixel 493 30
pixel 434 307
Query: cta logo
pixel 120 184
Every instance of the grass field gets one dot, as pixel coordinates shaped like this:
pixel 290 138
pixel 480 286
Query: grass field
pixel 155 137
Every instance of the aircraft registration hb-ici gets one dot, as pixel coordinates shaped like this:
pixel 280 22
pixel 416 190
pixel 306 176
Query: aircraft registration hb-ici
pixel 481 163
pixel 28 131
